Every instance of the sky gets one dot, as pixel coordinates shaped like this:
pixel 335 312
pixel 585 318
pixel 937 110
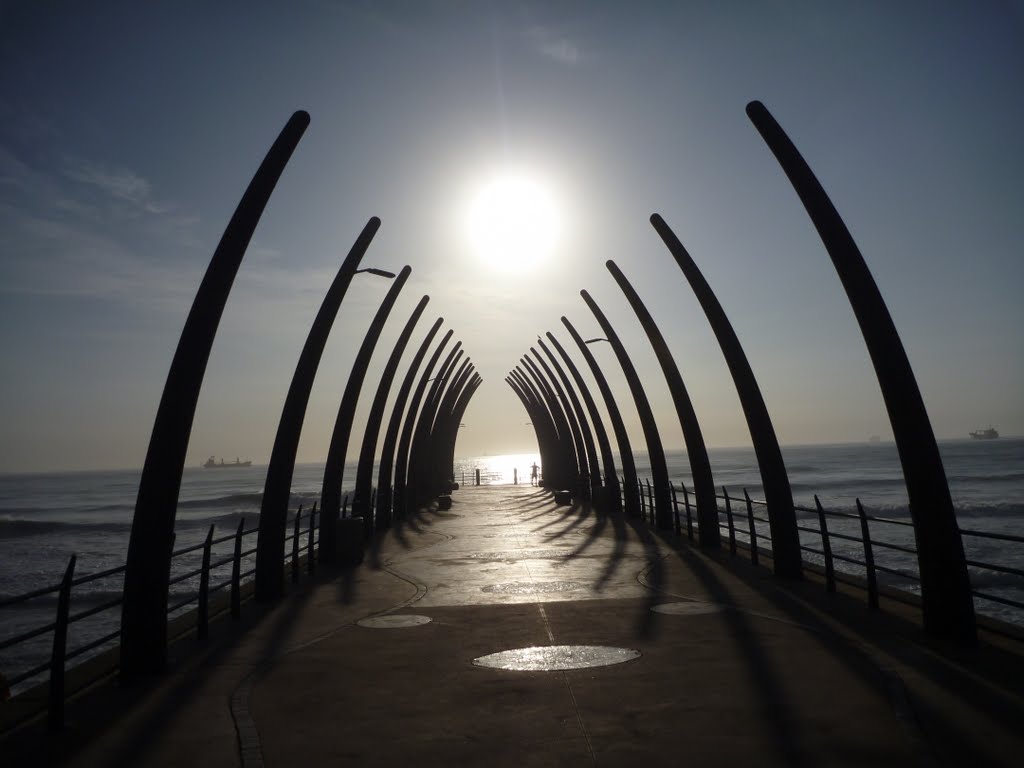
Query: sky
pixel 128 132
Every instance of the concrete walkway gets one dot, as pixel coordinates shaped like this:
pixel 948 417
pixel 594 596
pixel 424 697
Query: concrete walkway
pixel 739 671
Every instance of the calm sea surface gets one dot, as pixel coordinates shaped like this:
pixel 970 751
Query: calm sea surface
pixel 44 518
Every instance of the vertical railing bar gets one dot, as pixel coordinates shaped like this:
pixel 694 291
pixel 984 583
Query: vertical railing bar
pixel 650 502
pixel 236 573
pixel 750 525
pixel 675 509
pixel 643 501
pixel 689 512
pixel 296 535
pixel 203 617
pixel 869 558
pixel 826 548
pixel 310 555
pixel 55 714
pixel 728 517
pixel 344 506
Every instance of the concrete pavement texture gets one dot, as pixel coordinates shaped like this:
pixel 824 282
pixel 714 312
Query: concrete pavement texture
pixel 729 665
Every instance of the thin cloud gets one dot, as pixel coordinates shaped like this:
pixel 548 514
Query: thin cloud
pixel 119 183
pixel 555 46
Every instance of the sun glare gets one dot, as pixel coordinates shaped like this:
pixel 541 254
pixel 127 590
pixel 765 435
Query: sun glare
pixel 512 222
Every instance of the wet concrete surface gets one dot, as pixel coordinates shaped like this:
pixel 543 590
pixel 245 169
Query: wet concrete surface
pixel 733 668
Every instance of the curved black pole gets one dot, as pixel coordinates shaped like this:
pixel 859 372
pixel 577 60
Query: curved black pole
pixel 567 436
pixel 387 451
pixel 429 460
pixel 364 471
pixel 774 480
pixel 409 424
pixel 148 564
pixel 529 411
pixel 437 477
pixel 278 484
pixel 696 451
pixel 547 435
pixel 565 389
pixel 334 471
pixel 611 477
pixel 460 410
pixel 945 586
pixel 582 465
pixel 664 510
pixel 447 432
pixel 631 491
pixel 546 444
pixel 556 474
pixel 420 435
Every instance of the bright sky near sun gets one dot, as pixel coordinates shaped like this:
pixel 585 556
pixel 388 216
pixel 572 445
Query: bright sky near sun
pixel 509 149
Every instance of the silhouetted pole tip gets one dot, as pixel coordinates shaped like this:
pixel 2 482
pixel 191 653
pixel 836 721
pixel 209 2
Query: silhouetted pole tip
pixel 300 117
pixel 656 220
pixel 756 108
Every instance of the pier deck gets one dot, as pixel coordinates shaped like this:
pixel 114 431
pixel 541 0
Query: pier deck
pixel 749 672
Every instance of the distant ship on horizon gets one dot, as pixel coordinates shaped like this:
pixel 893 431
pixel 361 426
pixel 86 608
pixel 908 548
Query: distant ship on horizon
pixel 210 463
pixel 985 434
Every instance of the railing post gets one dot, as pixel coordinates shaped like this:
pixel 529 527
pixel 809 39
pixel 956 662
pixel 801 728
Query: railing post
pixel 869 558
pixel 310 555
pixel 236 573
pixel 515 476
pixel 55 714
pixel 643 500
pixel 344 510
pixel 728 517
pixel 295 545
pixel 826 548
pixel 650 502
pixel 478 477
pixel 753 530
pixel 675 509
pixel 689 513
pixel 203 618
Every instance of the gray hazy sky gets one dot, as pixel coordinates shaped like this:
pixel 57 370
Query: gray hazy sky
pixel 128 132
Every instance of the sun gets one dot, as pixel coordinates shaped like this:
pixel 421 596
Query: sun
pixel 512 221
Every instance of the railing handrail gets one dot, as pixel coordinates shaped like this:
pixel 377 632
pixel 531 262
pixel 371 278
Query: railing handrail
pixel 865 540
pixel 208 567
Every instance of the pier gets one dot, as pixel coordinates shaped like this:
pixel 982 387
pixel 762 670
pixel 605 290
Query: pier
pixel 718 662
pixel 587 618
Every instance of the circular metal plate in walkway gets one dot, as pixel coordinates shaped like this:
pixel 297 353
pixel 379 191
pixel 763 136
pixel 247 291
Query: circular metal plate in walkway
pixel 553 658
pixel 688 608
pixel 531 587
pixel 394 621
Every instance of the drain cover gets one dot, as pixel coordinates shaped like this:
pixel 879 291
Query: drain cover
pixel 394 621
pixel 688 608
pixel 531 587
pixel 552 658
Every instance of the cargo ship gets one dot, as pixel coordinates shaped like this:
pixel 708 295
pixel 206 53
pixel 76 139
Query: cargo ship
pixel 210 463
pixel 985 434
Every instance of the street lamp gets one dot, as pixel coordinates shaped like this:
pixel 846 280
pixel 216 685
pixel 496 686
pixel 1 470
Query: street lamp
pixel 375 271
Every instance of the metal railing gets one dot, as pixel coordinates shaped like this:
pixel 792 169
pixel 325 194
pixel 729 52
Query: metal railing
pixel 482 477
pixel 300 545
pixel 849 542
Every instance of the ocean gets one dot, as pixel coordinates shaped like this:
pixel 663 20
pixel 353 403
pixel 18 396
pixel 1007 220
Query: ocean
pixel 46 517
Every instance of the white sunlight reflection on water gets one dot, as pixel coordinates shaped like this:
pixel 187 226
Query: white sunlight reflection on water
pixel 501 469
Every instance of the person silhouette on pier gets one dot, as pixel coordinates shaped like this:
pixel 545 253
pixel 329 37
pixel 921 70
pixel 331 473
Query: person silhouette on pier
pixel 534 474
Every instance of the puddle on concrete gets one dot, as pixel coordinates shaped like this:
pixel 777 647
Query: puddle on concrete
pixel 554 658
pixel 531 587
pixel 394 621
pixel 688 608
pixel 522 554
